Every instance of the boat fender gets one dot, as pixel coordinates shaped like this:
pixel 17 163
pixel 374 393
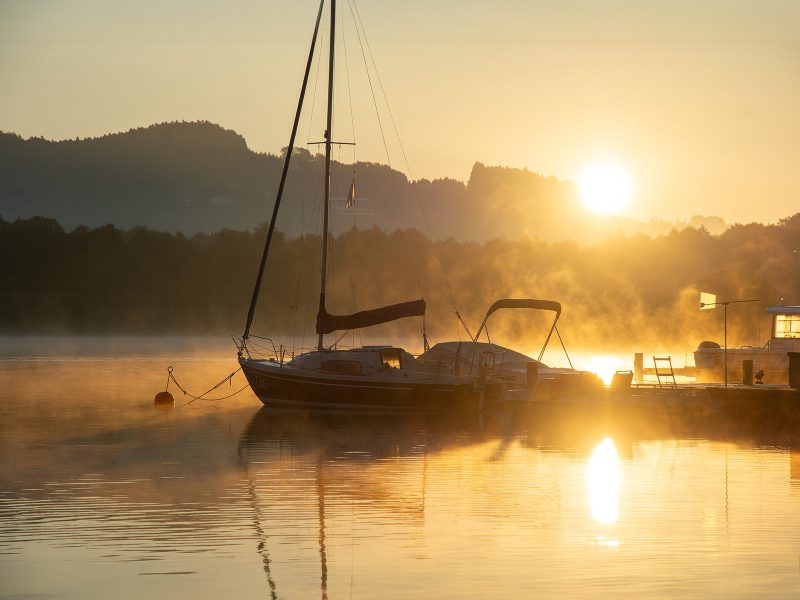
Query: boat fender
pixel 164 400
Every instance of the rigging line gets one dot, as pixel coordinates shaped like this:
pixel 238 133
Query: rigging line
pixel 428 228
pixel 369 81
pixel 349 92
pixel 391 115
pixel 316 80
pixel 358 22
pixel 301 255
pixel 341 337
pixel 285 171
pixel 353 130
pixel 353 276
pixel 302 241
pixel 460 320
pixel 263 350
pixel 405 158
pixel 315 217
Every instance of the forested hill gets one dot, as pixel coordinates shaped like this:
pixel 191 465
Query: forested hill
pixel 198 177
pixel 179 176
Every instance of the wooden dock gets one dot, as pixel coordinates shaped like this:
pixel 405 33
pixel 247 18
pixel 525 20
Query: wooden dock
pixel 686 410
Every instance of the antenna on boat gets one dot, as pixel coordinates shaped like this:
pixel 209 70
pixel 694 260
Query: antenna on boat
pixel 284 173
pixel 328 138
pixel 708 301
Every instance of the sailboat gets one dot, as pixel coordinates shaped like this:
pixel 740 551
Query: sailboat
pixel 370 377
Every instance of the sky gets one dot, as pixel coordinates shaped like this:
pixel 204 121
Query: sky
pixel 697 100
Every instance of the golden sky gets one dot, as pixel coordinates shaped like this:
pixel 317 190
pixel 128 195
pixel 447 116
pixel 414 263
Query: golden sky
pixel 698 100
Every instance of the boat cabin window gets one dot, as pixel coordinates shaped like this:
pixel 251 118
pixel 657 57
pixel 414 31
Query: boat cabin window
pixel 787 326
pixel 348 367
pixel 392 358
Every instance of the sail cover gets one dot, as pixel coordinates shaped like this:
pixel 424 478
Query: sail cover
pixel 327 323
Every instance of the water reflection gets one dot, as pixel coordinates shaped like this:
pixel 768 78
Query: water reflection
pixel 231 500
pixel 603 480
pixel 794 467
pixel 364 472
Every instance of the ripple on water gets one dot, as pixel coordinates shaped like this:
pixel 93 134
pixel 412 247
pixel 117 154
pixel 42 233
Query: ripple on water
pixel 227 499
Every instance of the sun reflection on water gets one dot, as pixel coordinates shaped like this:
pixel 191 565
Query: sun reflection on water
pixel 603 480
pixel 605 366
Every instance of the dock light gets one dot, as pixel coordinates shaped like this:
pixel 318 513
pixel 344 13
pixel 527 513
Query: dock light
pixel 708 301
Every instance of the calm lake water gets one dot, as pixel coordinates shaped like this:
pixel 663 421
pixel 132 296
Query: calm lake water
pixel 103 496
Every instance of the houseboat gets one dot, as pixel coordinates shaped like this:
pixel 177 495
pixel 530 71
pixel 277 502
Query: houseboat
pixel 770 361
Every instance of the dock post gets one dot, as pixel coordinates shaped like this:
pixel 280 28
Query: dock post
pixel 638 367
pixel 794 369
pixel 747 372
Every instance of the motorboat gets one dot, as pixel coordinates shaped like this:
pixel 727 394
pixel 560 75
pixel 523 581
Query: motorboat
pixel 519 375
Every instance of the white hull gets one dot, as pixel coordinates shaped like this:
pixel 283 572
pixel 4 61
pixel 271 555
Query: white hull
pixel 773 360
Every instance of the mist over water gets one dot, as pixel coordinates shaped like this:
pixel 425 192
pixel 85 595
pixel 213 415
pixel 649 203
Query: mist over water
pixel 101 494
pixel 622 294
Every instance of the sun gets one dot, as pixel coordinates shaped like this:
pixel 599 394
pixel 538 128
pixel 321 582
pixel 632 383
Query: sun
pixel 605 188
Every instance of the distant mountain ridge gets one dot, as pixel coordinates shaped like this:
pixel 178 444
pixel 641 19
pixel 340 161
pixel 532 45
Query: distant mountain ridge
pixel 199 177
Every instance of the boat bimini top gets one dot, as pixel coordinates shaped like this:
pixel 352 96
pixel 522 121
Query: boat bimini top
pixel 523 303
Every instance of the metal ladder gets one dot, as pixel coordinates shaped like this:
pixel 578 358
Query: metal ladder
pixel 663 368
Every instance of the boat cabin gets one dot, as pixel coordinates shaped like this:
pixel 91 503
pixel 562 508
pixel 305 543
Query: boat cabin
pixel 359 361
pixel 785 322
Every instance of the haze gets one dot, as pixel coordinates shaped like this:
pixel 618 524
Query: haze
pixel 697 101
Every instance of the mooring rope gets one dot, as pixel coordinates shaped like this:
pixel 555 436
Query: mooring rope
pixel 202 396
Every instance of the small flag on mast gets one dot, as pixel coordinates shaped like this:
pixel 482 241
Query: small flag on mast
pixel 351 195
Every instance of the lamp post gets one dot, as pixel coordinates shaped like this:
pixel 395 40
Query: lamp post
pixel 710 301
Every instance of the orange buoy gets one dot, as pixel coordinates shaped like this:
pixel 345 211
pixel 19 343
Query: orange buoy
pixel 164 400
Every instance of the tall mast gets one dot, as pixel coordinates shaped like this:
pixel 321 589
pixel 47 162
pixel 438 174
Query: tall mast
pixel 289 150
pixel 328 137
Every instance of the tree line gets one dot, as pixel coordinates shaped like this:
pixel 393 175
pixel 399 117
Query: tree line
pixel 622 291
